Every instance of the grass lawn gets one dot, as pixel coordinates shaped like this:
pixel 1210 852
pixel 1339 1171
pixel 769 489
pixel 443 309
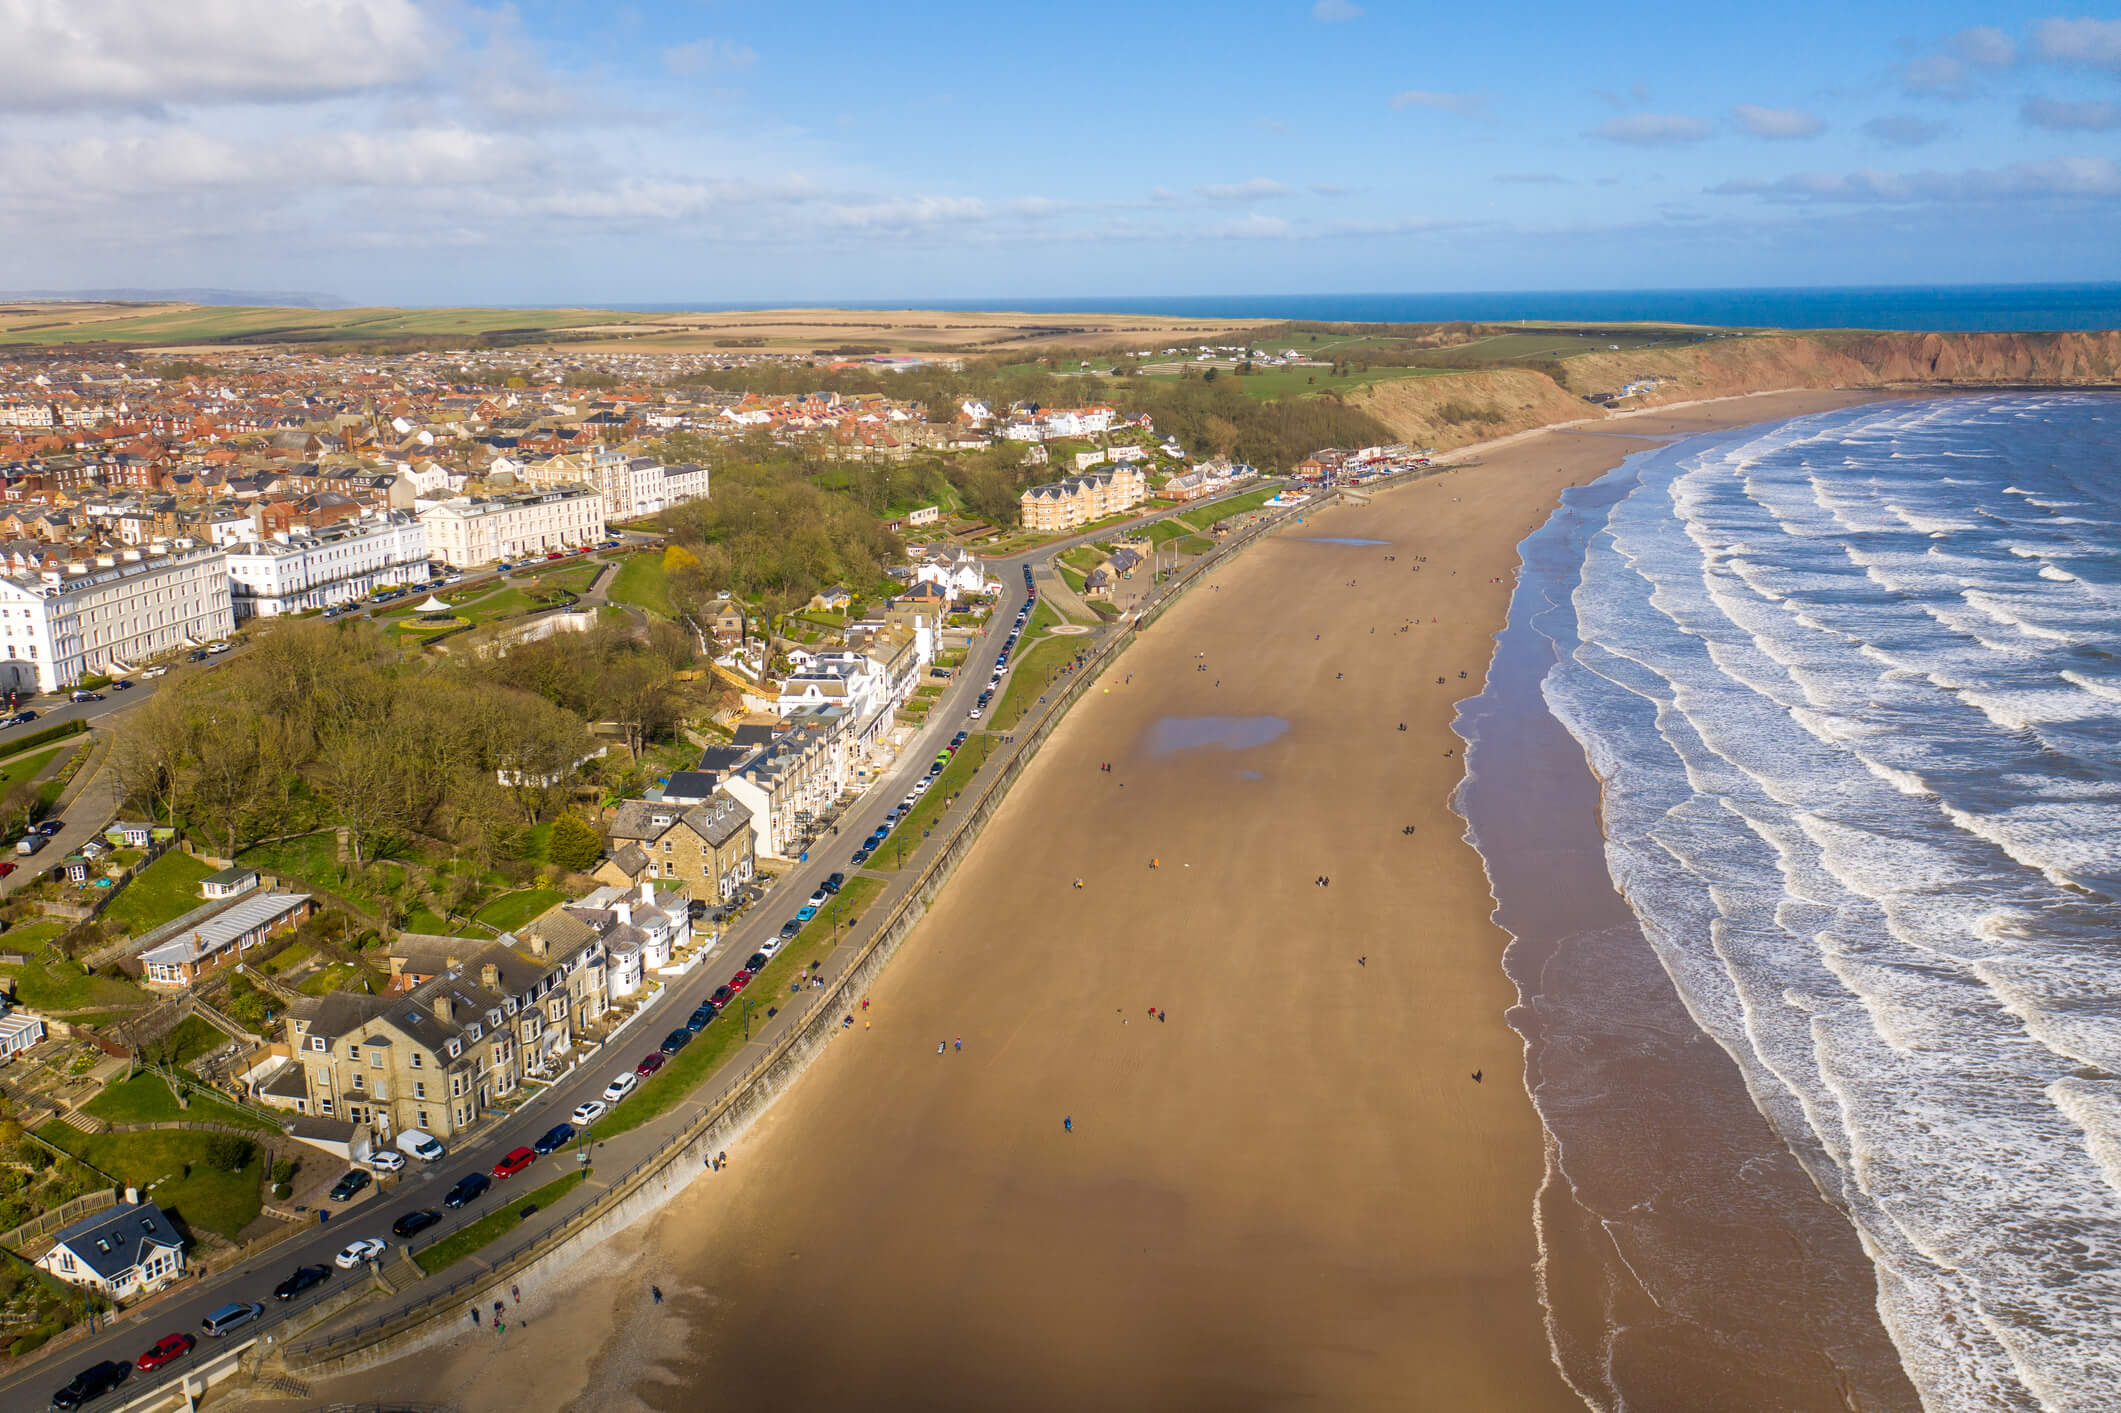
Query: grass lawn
pixel 498 1223
pixel 512 910
pixel 640 582
pixel 1206 515
pixel 1083 558
pixel 1042 621
pixel 313 858
pixel 64 986
pixel 962 767
pixel 145 1099
pixel 432 923
pixel 330 979
pixel 1030 679
pixel 27 937
pixel 192 1038
pixel 167 888
pixel 203 1198
pixel 1070 576
pixel 691 1066
pixel 1194 544
pixel 24 767
pixel 1170 528
pixel 289 957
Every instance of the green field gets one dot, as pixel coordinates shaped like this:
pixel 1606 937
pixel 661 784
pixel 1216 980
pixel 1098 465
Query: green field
pixel 165 890
pixel 640 582
pixel 186 324
pixel 26 766
pixel 691 1066
pixel 956 775
pixel 499 1222
pixel 145 1099
pixel 1030 678
pixel 171 1169
pixel 63 985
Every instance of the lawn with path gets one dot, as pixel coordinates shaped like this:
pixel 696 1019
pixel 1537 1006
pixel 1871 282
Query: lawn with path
pixel 686 1070
pixel 956 775
pixel 24 767
pixel 1030 679
pixel 165 890
pixel 640 582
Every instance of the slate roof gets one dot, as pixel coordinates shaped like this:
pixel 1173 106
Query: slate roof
pixel 111 1241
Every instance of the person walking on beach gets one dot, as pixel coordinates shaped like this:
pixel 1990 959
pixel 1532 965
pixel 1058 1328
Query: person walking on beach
pixel 657 1292
pixel 475 1316
pixel 1067 1123
pixel 941 1046
pixel 1363 960
pixel 1476 1076
pixel 960 1043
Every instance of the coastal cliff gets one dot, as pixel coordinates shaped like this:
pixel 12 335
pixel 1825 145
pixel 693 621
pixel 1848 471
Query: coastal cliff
pixel 1449 410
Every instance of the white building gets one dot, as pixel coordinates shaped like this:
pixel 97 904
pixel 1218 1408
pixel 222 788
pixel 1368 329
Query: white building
pixel 103 615
pixel 658 487
pixel 841 679
pixel 119 1252
pixel 19 1031
pixel 472 530
pixel 294 571
pixel 632 486
pixel 955 572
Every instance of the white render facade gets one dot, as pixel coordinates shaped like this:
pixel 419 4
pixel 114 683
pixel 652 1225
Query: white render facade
pixel 60 625
pixel 296 571
pixel 473 530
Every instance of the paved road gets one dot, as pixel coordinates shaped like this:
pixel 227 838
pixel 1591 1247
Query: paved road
pixel 423 1185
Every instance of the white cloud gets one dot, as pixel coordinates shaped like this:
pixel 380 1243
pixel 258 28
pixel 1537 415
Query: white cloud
pixel 1984 46
pixel 1782 123
pixel 1332 12
pixel 1466 105
pixel 1652 129
pixel 2091 43
pixel 1257 189
pixel 2057 116
pixel 61 54
pixel 707 55
pixel 1937 76
pixel 2064 177
pixel 1252 226
pixel 1903 130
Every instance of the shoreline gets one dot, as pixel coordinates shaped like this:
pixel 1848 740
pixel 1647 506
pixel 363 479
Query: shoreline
pixel 575 1364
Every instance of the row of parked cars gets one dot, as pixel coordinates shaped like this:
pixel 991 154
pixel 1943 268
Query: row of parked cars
pixel 1001 659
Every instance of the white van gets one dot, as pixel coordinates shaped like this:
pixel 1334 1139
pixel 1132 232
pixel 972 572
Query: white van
pixel 420 1145
pixel 30 843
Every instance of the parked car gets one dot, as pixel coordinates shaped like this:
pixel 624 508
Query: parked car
pixel 790 928
pixel 820 898
pixel 49 827
pixel 166 1350
pixel 861 856
pixel 805 913
pixel 413 1223
pixel 303 1278
pixel 756 963
pixel 621 1085
pixel 470 1188
pixel 835 883
pixel 155 671
pixel 359 1253
pixel 702 1016
pixel 553 1139
pixel 677 1040
pixel 231 1317
pixel 224 645
pixel 6 869
pixel 30 843
pixel 649 1064
pixel 384 1160
pixel 513 1162
pixel 768 947
pixel 92 1383
pixel 721 997
pixel 84 696
pixel 348 1187
pixel 588 1112
pixel 741 980
pixel 22 718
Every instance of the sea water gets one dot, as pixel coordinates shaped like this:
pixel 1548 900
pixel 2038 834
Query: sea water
pixel 1851 685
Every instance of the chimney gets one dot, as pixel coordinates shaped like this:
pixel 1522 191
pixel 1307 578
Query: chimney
pixel 445 1009
pixel 624 909
pixel 490 977
pixel 132 1196
pixel 647 891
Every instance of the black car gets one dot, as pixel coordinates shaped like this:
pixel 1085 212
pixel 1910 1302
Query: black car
pixel 960 738
pixel 344 1189
pixel 834 883
pixel 675 1041
pixel 470 1188
pixel 197 655
pixel 303 1278
pixel 92 1383
pixel 553 1139
pixel 121 685
pixel 861 856
pixel 756 964
pixel 790 928
pixel 702 1017
pixel 413 1223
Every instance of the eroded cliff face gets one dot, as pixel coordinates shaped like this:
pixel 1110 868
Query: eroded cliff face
pixel 1449 410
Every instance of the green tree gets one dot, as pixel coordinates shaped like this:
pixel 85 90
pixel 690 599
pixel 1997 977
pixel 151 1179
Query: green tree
pixel 574 846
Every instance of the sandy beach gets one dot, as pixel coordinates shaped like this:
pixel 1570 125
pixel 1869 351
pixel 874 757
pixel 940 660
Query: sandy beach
pixel 1291 1190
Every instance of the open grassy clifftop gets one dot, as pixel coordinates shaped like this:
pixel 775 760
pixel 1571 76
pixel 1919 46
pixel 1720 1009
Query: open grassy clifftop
pixel 1450 410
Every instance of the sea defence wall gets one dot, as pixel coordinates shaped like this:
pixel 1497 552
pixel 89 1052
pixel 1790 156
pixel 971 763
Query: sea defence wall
pixel 658 1178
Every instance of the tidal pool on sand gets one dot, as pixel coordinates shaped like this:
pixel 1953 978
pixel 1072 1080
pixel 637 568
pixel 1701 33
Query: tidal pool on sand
pixel 1229 733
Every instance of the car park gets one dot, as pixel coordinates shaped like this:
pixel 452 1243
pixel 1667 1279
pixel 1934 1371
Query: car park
pixel 650 1064
pixel 303 1278
pixel 349 1187
pixel 621 1085
pixel 588 1112
pixel 92 1383
pixel 358 1253
pixel 513 1162
pixel 413 1223
pixel 470 1188
pixel 386 1161
pixel 675 1041
pixel 553 1139
pixel 231 1317
pixel 165 1351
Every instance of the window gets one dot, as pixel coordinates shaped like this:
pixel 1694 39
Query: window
pixel 375 1057
pixel 360 1081
pixel 324 1106
pixel 353 1051
pixel 419 1089
pixel 419 1061
pixel 423 1118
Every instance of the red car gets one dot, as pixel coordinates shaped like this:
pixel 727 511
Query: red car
pixel 166 1350
pixel 738 982
pixel 6 869
pixel 514 1163
pixel 650 1065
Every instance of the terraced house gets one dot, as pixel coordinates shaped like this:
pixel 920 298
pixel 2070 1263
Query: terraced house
pixel 710 846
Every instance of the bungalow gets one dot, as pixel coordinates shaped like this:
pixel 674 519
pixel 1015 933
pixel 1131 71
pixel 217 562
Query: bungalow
pixel 229 883
pixel 127 1250
pixel 179 953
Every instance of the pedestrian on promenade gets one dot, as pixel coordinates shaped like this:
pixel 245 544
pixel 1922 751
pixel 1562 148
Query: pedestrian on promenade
pixel 657 1292
pixel 498 1311
pixel 515 1293
pixel 475 1316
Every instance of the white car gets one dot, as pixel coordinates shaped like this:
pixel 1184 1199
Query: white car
pixel 820 898
pixel 768 947
pixel 360 1253
pixel 385 1161
pixel 154 672
pixel 589 1113
pixel 972 715
pixel 621 1085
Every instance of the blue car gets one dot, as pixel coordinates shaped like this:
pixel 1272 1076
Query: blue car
pixel 701 1018
pixel 553 1139
pixel 805 913
pixel 861 856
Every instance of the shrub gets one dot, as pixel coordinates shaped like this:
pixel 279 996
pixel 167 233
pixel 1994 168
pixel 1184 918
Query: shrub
pixel 228 1152
pixel 574 846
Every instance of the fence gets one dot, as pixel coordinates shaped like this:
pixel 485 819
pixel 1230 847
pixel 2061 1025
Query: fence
pixel 31 1239
pixel 812 1027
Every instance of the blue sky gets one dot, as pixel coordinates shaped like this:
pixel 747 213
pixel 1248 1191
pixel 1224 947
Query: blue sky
pixel 436 151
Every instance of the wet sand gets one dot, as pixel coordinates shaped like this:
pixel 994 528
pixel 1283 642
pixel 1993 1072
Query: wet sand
pixel 1292 1191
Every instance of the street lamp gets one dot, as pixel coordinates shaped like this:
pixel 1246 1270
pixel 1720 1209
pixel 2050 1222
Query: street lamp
pixel 748 1003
